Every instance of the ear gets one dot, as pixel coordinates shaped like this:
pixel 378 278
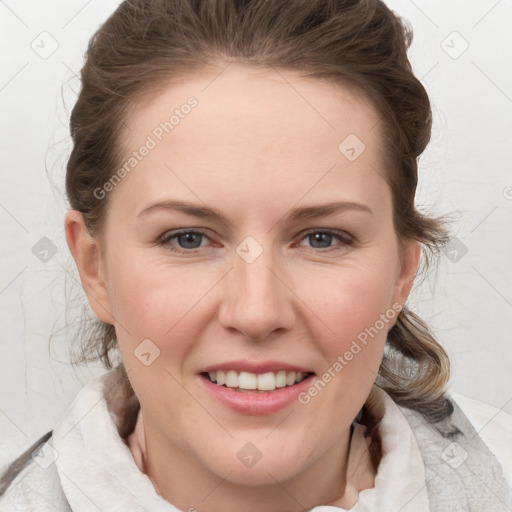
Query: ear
pixel 408 265
pixel 86 253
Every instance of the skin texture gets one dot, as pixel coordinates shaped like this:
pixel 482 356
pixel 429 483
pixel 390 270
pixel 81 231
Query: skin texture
pixel 255 147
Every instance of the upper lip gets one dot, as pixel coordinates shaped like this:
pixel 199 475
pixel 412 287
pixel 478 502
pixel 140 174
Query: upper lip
pixel 254 367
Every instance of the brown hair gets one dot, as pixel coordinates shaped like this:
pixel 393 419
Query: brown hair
pixel 361 44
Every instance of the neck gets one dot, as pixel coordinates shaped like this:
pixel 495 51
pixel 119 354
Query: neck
pixel 180 478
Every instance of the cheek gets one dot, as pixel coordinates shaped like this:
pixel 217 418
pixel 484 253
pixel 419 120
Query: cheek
pixel 350 300
pixel 355 303
pixel 158 302
pixel 358 312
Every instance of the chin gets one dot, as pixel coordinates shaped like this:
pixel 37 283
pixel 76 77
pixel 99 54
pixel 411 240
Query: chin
pixel 250 466
pixel 259 475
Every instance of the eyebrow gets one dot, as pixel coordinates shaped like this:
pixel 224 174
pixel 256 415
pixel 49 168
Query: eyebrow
pixel 296 214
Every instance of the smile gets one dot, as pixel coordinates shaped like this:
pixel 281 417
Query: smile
pixel 247 381
pixel 255 393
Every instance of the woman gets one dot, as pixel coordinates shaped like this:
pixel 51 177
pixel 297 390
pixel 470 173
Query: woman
pixel 242 217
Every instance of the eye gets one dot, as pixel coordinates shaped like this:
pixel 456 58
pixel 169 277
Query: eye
pixel 323 238
pixel 187 240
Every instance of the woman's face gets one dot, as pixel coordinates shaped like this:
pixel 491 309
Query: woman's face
pixel 253 234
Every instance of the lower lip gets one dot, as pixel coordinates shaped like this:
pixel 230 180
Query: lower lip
pixel 246 402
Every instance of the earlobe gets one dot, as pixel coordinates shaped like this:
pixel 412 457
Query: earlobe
pixel 85 251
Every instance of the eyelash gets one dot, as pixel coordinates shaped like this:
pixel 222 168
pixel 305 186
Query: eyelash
pixel 345 239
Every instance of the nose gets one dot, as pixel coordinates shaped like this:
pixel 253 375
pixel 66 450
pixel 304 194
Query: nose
pixel 257 301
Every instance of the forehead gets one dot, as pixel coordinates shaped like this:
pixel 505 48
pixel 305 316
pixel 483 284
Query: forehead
pixel 267 129
pixel 259 99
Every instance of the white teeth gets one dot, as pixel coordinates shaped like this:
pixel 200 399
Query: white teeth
pixel 248 380
pixel 266 381
pixel 290 378
pixel 231 379
pixel 280 379
pixel 251 381
pixel 220 378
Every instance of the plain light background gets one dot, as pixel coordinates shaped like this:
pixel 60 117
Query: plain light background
pixel 462 52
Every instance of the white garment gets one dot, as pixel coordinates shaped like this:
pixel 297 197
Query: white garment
pixel 87 463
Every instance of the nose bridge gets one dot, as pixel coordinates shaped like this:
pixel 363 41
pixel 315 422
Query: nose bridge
pixel 257 280
pixel 256 302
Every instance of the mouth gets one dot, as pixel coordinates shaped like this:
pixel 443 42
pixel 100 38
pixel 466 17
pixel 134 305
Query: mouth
pixel 248 382
pixel 248 393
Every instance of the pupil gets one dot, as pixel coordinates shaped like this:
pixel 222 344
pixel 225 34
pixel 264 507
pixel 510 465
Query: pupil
pixel 325 239
pixel 191 240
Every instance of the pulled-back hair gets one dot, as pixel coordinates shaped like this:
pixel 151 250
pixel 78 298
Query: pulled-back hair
pixel 145 45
